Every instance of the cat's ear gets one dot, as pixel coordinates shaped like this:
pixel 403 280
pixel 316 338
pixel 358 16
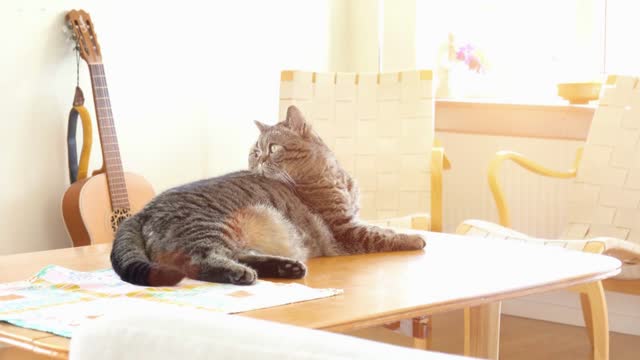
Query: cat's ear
pixel 296 122
pixel 261 126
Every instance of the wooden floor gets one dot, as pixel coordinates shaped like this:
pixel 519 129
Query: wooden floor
pixel 522 339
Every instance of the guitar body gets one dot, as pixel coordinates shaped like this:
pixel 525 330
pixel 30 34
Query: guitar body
pixel 87 212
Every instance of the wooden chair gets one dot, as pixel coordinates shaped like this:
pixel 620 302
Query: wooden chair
pixel 604 201
pixel 381 128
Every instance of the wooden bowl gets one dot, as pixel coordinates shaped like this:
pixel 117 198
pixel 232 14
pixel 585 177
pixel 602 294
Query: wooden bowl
pixel 579 93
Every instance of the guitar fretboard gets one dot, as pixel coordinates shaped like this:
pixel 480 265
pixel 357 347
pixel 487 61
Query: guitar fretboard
pixel 108 139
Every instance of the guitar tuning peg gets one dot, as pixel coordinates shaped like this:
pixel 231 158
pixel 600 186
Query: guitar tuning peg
pixel 69 35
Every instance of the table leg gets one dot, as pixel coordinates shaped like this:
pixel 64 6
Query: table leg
pixel 482 331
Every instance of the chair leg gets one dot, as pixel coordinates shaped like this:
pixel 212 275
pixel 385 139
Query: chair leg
pixel 422 332
pixel 482 331
pixel 596 318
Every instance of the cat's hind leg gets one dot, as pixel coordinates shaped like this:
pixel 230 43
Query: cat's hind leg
pixel 270 266
pixel 218 268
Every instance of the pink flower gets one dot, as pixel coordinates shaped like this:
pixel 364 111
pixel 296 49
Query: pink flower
pixel 469 56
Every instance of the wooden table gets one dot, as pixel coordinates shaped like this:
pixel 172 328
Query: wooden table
pixel 453 272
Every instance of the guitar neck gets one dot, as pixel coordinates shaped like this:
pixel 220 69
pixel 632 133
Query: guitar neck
pixel 108 139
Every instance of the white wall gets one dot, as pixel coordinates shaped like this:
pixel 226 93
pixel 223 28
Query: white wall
pixel 373 35
pixel 186 80
pixel 354 35
pixel 399 35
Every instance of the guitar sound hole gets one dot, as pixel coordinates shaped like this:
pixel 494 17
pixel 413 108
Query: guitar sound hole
pixel 118 216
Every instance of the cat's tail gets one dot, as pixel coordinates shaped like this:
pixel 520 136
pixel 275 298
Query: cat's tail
pixel 130 261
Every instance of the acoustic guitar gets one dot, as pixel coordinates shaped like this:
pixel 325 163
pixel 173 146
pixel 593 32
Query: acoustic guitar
pixel 94 207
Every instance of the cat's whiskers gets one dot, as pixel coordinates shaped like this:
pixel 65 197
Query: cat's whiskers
pixel 279 175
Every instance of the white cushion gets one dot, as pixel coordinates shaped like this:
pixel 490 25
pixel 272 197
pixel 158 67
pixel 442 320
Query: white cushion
pixel 198 335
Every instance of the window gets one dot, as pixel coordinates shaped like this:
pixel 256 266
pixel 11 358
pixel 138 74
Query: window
pixel 525 47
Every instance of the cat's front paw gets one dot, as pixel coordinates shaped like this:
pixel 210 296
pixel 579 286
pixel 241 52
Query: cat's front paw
pixel 415 242
pixel 243 277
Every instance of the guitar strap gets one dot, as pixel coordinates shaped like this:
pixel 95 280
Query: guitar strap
pixel 78 170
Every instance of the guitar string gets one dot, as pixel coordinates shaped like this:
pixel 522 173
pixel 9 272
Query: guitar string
pixel 116 182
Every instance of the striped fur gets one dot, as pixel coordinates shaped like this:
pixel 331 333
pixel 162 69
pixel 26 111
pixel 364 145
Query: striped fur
pixel 294 202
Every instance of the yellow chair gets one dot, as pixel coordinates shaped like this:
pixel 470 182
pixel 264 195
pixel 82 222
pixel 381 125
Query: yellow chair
pixel 381 128
pixel 604 201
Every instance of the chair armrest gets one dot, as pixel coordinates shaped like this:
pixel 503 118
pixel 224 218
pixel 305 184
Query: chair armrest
pixel 494 168
pixel 439 162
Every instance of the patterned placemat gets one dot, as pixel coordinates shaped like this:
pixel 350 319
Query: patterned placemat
pixel 58 300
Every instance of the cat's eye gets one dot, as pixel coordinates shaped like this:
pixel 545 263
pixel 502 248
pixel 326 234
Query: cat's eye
pixel 274 148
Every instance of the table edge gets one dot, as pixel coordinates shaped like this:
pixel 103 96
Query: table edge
pixel 464 303
pixel 62 353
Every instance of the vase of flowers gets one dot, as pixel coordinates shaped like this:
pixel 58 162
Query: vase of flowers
pixel 462 72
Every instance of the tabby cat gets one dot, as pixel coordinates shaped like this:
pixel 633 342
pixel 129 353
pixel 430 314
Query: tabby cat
pixel 294 202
